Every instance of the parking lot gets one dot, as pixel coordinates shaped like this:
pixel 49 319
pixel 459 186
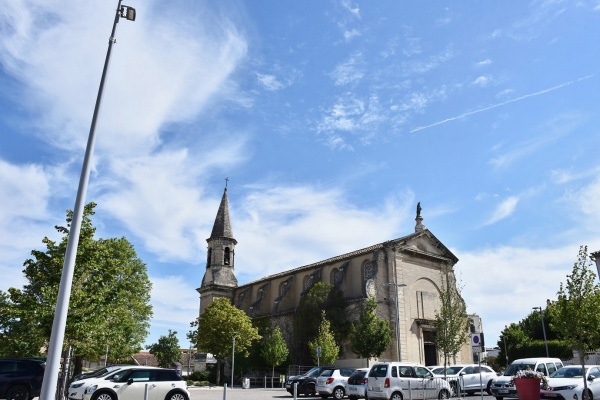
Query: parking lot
pixel 216 393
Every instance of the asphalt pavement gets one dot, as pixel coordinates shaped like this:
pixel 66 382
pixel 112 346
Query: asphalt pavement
pixel 237 393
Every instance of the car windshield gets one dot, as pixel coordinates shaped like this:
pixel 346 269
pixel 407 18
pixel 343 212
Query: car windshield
pixel 453 370
pixel 514 368
pixel 314 372
pixel 568 372
pixel 358 375
pixel 438 370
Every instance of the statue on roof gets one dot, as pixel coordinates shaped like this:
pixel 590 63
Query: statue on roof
pixel 419 209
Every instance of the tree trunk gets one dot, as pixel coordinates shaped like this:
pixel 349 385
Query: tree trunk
pixel 218 371
pixel 77 365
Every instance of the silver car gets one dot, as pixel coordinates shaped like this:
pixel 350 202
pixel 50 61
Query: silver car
pixel 468 378
pixel 333 382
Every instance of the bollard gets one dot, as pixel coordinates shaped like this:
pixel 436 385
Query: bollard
pixel 146 391
pixel 409 391
pixel 295 390
pixel 225 391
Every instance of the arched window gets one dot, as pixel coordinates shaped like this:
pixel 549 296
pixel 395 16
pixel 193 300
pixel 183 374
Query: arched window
pixel 227 257
pixel 208 257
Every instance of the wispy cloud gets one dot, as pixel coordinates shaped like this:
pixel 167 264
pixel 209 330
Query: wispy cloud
pixel 504 210
pixel 349 71
pixel 553 88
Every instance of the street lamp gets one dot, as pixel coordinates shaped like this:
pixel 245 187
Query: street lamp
pixel 59 322
pixel 543 329
pixel 232 356
pixel 505 349
pixel 595 256
pixel 396 286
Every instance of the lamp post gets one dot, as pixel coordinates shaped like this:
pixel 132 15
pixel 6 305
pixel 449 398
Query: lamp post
pixel 505 349
pixel 543 329
pixel 59 322
pixel 396 286
pixel 232 356
pixel 595 256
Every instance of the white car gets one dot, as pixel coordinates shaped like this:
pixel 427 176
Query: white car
pixel 468 378
pixel 401 380
pixel 567 383
pixel 140 383
pixel 357 384
pixel 333 381
pixel 78 387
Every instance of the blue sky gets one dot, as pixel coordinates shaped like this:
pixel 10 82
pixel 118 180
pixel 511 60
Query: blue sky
pixel 332 119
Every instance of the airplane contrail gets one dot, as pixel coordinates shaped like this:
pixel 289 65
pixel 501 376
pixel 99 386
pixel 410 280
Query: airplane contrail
pixel 420 128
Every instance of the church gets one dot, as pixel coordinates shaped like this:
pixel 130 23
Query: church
pixel 404 275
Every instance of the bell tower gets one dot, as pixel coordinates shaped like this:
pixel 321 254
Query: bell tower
pixel 219 278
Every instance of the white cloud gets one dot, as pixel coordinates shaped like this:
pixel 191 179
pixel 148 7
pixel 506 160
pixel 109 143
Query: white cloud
pixel 352 8
pixel 505 209
pixel 351 34
pixel 483 63
pixel 348 71
pixel 482 80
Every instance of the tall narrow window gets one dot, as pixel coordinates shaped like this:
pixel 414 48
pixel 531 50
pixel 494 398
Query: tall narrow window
pixel 227 256
pixel 208 257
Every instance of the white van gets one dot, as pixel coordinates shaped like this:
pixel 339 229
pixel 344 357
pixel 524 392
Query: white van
pixel 502 386
pixel 401 380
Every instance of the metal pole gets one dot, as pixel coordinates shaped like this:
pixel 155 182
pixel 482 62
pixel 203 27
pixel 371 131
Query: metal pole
pixel 106 358
pixel 232 358
pixel 505 349
pixel 397 323
pixel 544 330
pixel 64 292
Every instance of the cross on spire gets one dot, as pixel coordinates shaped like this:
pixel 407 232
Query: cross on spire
pixel 226 181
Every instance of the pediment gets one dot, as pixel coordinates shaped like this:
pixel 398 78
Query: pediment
pixel 426 243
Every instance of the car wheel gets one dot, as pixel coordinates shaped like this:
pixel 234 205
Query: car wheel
pixel 587 395
pixel 103 396
pixel 17 392
pixel 499 397
pixel 352 398
pixel 324 396
pixel 338 393
pixel 454 387
pixel 488 390
pixel 444 394
pixel 176 396
pixel 310 390
pixel 396 396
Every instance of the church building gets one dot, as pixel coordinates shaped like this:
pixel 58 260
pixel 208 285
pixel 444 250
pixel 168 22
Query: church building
pixel 404 275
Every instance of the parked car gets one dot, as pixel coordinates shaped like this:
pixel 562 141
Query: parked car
pixel 332 382
pixel 161 383
pixel 399 380
pixel 96 373
pixel 357 384
pixel 77 388
pixel 567 383
pixel 21 378
pixel 468 378
pixel 307 382
pixel 503 386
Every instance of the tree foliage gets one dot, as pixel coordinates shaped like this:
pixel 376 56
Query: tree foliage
pixel 575 313
pixel 166 350
pixel 320 297
pixel 109 302
pixel 451 319
pixel 274 350
pixel 371 336
pixel 324 339
pixel 217 326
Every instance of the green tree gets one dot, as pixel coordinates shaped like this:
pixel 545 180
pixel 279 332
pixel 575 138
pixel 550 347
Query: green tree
pixel 167 350
pixel 325 339
pixel 320 297
pixel 371 336
pixel 217 326
pixel 574 313
pixel 275 350
pixel 451 319
pixel 109 302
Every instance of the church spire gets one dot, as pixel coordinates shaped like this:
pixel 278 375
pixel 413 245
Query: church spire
pixel 222 225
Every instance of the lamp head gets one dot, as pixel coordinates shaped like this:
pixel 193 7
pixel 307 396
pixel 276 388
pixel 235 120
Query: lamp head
pixel 128 13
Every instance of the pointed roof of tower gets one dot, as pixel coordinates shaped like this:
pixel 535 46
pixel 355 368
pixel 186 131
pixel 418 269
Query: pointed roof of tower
pixel 222 226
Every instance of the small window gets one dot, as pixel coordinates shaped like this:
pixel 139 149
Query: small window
pixel 541 368
pixel 379 371
pixel 394 372
pixel 421 372
pixel 327 372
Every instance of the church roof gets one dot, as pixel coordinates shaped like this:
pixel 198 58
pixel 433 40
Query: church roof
pixel 400 243
pixel 222 226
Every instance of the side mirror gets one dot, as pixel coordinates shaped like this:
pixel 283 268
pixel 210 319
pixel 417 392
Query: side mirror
pixel 129 381
pixel 462 373
pixel 591 378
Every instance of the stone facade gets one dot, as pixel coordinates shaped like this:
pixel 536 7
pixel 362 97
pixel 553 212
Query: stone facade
pixel 406 272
